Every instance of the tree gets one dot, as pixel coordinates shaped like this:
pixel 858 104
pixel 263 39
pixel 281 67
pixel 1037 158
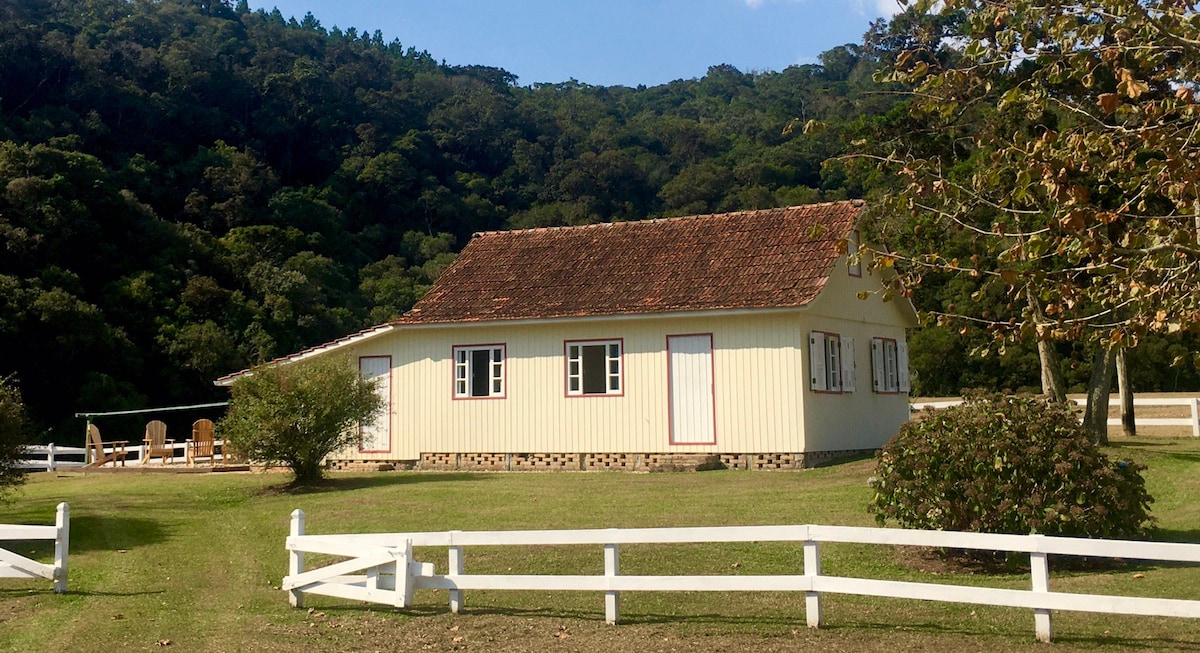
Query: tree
pixel 296 414
pixel 12 436
pixel 1059 138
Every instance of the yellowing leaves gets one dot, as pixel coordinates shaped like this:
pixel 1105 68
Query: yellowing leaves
pixel 1130 85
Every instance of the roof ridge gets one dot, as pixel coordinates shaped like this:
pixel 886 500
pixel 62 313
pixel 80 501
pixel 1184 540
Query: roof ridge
pixel 677 218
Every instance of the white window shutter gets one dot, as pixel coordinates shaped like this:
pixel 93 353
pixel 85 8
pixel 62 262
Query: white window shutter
pixel 816 360
pixel 877 368
pixel 902 365
pixel 848 365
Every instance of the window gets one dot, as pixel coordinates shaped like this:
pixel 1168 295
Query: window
pixel 479 371
pixel 831 362
pixel 853 260
pixel 593 367
pixel 889 365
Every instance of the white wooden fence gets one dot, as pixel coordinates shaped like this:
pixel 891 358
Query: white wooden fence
pixel 16 566
pixel 1192 402
pixel 381 567
pixel 50 457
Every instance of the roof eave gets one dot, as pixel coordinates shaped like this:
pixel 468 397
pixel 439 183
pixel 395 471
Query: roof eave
pixel 319 350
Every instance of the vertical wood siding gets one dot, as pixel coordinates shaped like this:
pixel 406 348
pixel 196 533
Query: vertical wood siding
pixel 754 362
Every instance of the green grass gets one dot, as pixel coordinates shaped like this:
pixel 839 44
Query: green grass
pixel 197 560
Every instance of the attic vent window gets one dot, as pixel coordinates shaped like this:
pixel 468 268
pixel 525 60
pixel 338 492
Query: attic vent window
pixel 594 367
pixel 479 371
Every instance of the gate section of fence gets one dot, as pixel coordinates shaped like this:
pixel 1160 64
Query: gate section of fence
pixel 381 568
pixel 16 566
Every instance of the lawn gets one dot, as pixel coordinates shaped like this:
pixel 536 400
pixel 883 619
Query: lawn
pixel 193 562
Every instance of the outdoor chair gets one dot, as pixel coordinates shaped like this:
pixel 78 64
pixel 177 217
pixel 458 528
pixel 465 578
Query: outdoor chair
pixel 201 444
pixel 157 444
pixel 95 449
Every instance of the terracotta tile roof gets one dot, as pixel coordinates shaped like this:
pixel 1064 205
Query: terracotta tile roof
pixel 745 260
pixel 750 259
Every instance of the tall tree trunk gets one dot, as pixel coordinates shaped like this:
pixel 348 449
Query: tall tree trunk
pixel 1052 382
pixel 1095 414
pixel 1128 421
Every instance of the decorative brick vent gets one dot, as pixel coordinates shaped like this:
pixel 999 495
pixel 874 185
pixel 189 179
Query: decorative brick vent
pixel 622 462
pixel 617 462
pixel 545 462
pixel 368 465
pixel 483 462
pixel 775 461
pixel 438 461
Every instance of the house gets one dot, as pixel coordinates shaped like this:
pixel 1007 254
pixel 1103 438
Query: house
pixel 742 339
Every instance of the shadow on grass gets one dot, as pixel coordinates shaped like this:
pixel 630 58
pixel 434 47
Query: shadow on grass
pixel 95 533
pixel 1150 444
pixel 370 480
pixel 934 629
pixel 113 532
pixel 929 628
pixel 1187 536
pixel 1129 643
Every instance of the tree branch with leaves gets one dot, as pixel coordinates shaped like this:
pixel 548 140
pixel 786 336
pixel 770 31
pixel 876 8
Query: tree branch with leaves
pixel 1059 145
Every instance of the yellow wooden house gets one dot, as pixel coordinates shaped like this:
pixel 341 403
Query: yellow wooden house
pixel 736 339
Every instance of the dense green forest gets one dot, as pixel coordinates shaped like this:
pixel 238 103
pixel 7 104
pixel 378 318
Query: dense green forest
pixel 190 187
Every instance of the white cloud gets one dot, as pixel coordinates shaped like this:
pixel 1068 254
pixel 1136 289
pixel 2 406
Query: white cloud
pixel 877 8
pixel 871 8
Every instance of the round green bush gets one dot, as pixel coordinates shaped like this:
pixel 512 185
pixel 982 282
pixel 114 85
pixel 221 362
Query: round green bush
pixel 998 464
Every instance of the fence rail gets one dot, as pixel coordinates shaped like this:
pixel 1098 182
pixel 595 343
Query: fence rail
pixel 1192 402
pixel 16 566
pixel 49 457
pixel 381 567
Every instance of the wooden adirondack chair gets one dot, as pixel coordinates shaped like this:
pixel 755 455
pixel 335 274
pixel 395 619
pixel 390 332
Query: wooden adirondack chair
pixel 201 444
pixel 157 444
pixel 95 449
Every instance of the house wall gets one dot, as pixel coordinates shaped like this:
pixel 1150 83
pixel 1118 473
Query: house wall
pixel 763 401
pixel 757 383
pixel 863 419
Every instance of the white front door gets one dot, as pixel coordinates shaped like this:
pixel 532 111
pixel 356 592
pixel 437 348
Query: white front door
pixel 377 435
pixel 690 377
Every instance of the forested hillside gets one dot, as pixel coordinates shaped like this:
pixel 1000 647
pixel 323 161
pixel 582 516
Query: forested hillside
pixel 188 187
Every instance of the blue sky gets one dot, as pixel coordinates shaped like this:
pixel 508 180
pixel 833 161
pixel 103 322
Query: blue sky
pixel 605 42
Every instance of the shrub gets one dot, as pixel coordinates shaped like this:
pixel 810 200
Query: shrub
pixel 997 464
pixel 296 414
pixel 12 436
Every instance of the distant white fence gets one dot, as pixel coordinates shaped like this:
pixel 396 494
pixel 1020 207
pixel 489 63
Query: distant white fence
pixel 381 568
pixel 16 566
pixel 51 457
pixel 1193 402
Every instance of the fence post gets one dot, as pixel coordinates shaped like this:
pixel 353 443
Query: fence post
pixel 812 569
pixel 62 546
pixel 296 559
pixel 1196 417
pixel 50 457
pixel 612 568
pixel 1039 571
pixel 404 575
pixel 456 569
